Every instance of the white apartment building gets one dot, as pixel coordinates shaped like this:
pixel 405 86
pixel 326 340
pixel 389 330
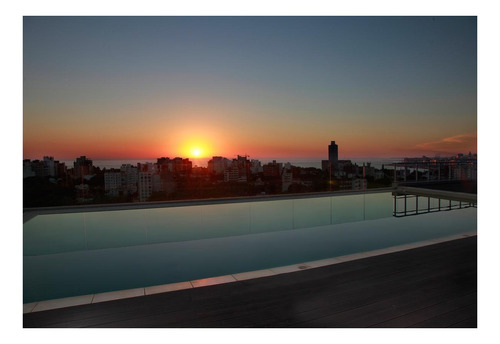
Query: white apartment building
pixel 145 186
pixel 359 184
pixel 256 167
pixel 49 162
pixel 112 183
pixel 156 183
pixel 27 170
pixel 129 178
pixel 286 180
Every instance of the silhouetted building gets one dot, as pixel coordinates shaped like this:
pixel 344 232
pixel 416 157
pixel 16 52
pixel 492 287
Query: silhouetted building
pixel 272 169
pixel 218 164
pixel 147 167
pixel 40 168
pixel 82 167
pixel 232 174
pixel 61 169
pixel 182 166
pixel 346 169
pixel 176 165
pixel 325 165
pixel 165 165
pixel 333 155
pixel 238 171
pixel 48 167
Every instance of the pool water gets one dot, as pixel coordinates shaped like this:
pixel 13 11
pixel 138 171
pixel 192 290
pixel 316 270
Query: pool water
pixel 85 253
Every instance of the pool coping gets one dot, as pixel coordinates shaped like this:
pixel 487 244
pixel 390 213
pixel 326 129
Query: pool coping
pixel 80 300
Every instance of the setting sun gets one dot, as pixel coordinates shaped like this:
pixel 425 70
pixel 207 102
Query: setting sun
pixel 195 142
pixel 196 152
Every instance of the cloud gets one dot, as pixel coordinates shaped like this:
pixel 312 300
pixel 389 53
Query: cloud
pixel 462 143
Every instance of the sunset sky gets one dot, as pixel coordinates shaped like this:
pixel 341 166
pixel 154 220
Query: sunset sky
pixel 269 87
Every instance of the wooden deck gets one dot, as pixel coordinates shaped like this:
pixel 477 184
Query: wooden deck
pixel 432 286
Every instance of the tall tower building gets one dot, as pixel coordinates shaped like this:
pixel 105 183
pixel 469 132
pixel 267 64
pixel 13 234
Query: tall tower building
pixel 333 155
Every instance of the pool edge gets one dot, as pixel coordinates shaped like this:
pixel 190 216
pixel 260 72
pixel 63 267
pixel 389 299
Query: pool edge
pixel 80 300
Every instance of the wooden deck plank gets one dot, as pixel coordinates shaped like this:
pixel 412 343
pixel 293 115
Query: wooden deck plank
pixel 318 302
pixel 470 322
pixel 432 286
pixel 366 300
pixel 440 308
pixel 449 319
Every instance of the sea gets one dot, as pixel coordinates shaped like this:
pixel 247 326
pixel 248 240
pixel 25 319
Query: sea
pixel 203 162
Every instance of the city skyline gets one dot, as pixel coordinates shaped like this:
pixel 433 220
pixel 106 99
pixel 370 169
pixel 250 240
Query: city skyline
pixel 269 87
pixel 204 162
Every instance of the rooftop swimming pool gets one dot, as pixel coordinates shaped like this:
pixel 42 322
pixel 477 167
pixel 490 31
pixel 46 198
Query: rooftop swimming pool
pixel 69 254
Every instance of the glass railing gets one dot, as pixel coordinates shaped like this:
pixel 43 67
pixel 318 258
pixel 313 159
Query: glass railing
pixel 405 205
pixel 67 232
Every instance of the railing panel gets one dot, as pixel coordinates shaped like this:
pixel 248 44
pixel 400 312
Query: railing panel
pixel 173 224
pixel 46 234
pixel 434 204
pixel 455 204
pixel 347 208
pixel 422 204
pixel 106 229
pixel 271 216
pixel 378 205
pixel 311 212
pixel 411 204
pixel 225 220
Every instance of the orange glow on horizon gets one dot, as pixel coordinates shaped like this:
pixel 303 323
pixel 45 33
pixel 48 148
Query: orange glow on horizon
pixel 196 149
